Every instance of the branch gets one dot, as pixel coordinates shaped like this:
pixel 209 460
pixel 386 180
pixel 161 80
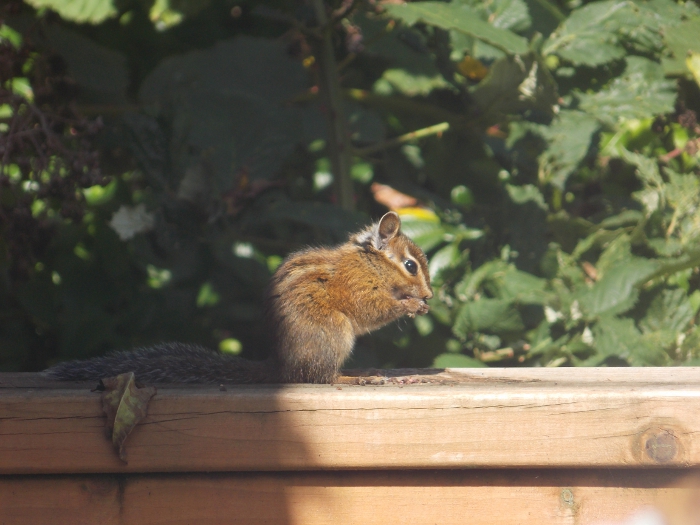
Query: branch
pixel 339 147
pixel 437 129
pixel 407 106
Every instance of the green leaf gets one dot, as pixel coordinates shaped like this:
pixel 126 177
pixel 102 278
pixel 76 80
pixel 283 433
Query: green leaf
pixel 647 168
pixel 362 172
pixel 228 114
pixel 521 287
pixel 589 35
pixel 459 18
pixel 683 195
pixel 625 218
pixel 672 13
pixel 618 251
pixel 526 193
pixel 652 195
pixel 425 233
pixel 412 84
pixel 470 284
pixel 596 239
pixel 208 296
pixel 507 14
pixel 600 32
pixel 639 92
pixel 456 361
pixel 412 68
pixel 617 291
pixel 665 247
pixel 515 85
pixel 569 138
pixel 168 13
pixel 447 257
pixel 91 11
pixel 680 41
pixel 504 14
pixel 491 315
pixel 670 310
pixel 615 337
pixel 100 73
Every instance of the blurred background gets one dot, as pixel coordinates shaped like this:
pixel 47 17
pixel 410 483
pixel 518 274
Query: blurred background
pixel 159 159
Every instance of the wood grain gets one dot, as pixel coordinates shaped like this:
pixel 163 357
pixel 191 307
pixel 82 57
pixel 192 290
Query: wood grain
pixel 553 418
pixel 526 497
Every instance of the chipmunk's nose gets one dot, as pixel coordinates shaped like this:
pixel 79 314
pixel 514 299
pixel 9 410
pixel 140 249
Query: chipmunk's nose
pixel 429 295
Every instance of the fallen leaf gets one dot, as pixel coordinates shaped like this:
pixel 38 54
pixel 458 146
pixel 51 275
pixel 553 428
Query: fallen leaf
pixel 125 404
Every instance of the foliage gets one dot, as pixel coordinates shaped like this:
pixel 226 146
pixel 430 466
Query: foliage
pixel 159 159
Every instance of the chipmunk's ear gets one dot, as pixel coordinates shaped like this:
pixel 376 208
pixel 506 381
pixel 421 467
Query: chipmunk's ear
pixel 380 233
pixel 386 229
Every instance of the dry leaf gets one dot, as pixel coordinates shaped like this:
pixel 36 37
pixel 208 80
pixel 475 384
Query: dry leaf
pixel 391 198
pixel 472 68
pixel 124 404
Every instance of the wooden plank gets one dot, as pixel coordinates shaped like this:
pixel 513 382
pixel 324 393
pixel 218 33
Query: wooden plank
pixel 645 375
pixel 610 418
pixel 525 497
pixel 45 500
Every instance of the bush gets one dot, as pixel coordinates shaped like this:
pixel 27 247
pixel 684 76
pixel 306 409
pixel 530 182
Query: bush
pixel 160 159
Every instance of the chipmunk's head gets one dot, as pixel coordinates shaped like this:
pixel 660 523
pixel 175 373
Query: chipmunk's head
pixel 410 278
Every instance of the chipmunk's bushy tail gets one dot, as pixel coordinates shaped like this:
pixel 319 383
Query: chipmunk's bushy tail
pixel 168 363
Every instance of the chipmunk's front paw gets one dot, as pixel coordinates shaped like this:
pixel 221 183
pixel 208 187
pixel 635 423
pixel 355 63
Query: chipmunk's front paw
pixel 415 306
pixel 424 308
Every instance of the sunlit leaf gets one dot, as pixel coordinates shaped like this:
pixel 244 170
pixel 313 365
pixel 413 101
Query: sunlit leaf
pixel 588 36
pixel 446 257
pixel 520 287
pixel 490 315
pixel 620 338
pixel 526 193
pixel 617 291
pixel 642 90
pixel 682 41
pixel 670 310
pixel 91 11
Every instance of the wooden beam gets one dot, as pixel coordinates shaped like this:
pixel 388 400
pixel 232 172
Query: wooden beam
pixel 524 497
pixel 549 418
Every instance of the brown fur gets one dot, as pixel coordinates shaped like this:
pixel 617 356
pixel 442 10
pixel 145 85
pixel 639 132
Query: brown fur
pixel 318 302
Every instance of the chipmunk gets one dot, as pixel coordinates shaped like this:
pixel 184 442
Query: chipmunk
pixel 318 302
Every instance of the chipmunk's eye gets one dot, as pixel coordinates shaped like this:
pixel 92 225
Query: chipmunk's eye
pixel 411 266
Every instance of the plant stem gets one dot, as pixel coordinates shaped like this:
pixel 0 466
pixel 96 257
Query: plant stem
pixel 408 137
pixel 688 260
pixel 339 148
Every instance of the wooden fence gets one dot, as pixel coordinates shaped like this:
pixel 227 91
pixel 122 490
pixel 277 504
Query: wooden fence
pixel 472 446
